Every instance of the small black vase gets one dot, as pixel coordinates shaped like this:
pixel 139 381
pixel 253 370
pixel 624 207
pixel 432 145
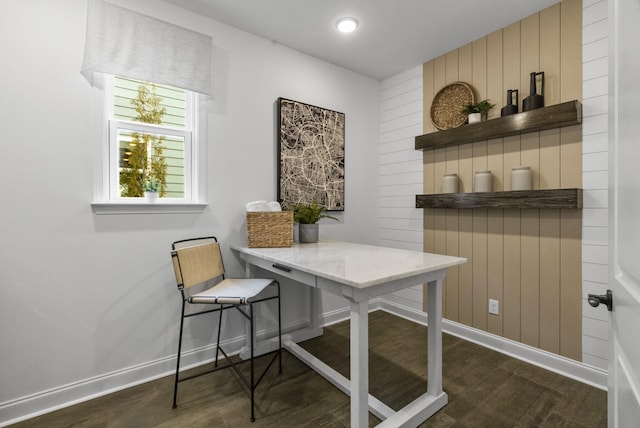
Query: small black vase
pixel 510 108
pixel 534 100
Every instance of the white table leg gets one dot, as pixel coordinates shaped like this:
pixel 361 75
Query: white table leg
pixel 314 312
pixel 434 332
pixel 359 364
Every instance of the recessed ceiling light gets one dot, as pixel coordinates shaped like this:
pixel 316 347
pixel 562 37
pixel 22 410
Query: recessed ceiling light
pixel 347 24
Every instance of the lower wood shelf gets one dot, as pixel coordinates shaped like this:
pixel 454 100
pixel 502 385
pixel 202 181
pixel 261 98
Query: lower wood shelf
pixel 520 199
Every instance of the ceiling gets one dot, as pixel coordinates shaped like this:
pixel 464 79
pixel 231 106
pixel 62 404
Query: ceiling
pixel 394 35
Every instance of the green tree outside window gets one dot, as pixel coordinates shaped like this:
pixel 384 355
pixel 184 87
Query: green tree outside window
pixel 144 164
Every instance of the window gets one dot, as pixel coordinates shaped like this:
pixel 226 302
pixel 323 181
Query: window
pixel 151 131
pixel 151 139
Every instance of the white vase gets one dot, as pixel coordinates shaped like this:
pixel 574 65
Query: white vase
pixel 475 117
pixel 521 178
pixel 151 196
pixel 450 183
pixel 482 181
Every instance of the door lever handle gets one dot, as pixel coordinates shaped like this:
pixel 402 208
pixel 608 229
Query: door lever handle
pixel 605 299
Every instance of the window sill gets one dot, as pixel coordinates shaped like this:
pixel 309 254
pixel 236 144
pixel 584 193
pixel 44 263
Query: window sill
pixel 144 207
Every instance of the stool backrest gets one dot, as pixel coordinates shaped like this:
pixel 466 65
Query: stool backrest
pixel 196 264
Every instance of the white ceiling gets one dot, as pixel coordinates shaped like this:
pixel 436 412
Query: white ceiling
pixel 394 35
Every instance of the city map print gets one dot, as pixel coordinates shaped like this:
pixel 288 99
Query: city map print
pixel 310 155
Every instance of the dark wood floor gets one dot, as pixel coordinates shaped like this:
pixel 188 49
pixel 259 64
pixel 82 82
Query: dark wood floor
pixel 486 389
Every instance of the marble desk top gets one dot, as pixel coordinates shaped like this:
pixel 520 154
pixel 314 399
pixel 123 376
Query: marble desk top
pixel 353 264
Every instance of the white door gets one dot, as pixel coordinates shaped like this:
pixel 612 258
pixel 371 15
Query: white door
pixel 624 225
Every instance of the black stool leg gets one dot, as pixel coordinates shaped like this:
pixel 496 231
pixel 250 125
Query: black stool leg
pixel 219 329
pixel 175 383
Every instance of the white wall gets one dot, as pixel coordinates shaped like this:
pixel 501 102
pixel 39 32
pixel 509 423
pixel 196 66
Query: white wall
pixel 400 222
pixel 88 301
pixel 594 179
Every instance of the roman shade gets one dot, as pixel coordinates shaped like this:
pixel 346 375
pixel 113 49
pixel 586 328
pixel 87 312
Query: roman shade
pixel 128 44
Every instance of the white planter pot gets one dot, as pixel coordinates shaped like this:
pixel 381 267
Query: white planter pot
pixel 475 117
pixel 151 197
pixel 308 233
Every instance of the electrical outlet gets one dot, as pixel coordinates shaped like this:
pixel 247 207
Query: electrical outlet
pixel 494 307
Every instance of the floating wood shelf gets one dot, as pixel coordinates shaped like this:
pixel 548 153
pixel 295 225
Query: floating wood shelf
pixel 555 116
pixel 520 199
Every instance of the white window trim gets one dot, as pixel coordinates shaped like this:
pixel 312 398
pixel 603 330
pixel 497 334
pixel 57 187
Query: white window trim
pixel 104 204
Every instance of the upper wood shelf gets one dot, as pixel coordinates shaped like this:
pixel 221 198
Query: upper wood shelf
pixel 555 116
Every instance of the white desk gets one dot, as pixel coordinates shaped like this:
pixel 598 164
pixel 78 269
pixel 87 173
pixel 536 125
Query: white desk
pixel 359 273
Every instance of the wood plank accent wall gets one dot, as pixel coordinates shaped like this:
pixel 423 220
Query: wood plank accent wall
pixel 528 260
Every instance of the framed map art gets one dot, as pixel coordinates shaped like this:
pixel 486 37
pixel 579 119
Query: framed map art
pixel 310 155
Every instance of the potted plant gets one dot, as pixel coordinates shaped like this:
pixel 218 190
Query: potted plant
pixel 307 216
pixel 478 111
pixel 151 187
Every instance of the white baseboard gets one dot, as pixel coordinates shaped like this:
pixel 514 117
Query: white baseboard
pixel 50 400
pixel 581 372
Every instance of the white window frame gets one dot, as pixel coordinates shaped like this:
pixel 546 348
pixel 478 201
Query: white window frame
pixel 107 199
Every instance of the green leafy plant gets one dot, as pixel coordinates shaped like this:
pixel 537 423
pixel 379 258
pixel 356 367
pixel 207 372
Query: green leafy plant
pixel 151 185
pixel 309 213
pixel 480 107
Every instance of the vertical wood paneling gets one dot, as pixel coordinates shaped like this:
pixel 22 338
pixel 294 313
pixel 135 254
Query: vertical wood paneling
pixel 570 284
pixel 480 68
pixel 465 272
pixel 495 267
pixel 571 50
pixel 550 280
pixel 495 92
pixel 511 218
pixel 528 260
pixel 465 63
pixel 427 99
pixel 452 286
pixel 549 178
pixel 529 51
pixel 550 53
pixel 465 236
pixel 439 216
pixel 440 222
pixel 529 219
pixel 428 161
pixel 451 238
pixel 511 61
pixel 530 277
pixel 512 293
pixel 495 149
pixel 428 181
pixel 480 274
pixel 571 168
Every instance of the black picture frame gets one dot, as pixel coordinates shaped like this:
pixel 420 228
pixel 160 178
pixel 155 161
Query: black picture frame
pixel 311 155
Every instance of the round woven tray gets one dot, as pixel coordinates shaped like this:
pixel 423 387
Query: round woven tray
pixel 447 105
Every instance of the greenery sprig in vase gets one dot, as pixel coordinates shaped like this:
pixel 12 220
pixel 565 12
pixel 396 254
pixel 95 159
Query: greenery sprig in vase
pixel 309 213
pixel 151 185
